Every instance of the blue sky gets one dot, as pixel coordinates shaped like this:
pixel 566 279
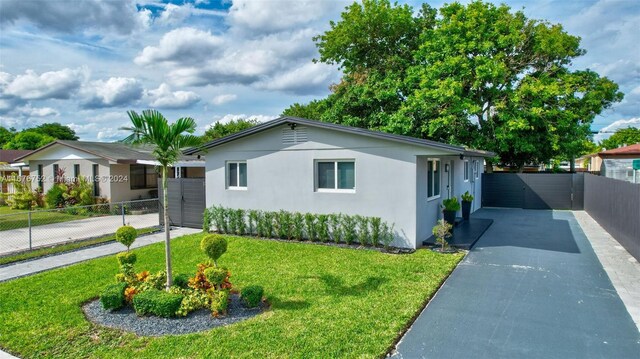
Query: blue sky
pixel 85 63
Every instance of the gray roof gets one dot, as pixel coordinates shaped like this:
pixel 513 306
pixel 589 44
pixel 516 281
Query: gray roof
pixel 113 151
pixel 332 126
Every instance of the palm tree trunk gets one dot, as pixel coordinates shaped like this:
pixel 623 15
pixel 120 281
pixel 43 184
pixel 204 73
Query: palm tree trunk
pixel 167 240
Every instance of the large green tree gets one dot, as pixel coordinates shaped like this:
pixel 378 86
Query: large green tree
pixel 57 131
pixel 219 130
pixel 151 127
pixel 626 136
pixel 28 140
pixel 479 75
pixel 35 137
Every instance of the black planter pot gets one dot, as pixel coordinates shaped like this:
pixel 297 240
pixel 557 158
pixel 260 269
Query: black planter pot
pixel 466 210
pixel 449 217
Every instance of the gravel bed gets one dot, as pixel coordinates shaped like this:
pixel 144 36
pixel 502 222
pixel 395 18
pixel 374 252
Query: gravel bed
pixel 197 321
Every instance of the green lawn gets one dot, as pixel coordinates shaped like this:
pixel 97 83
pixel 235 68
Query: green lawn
pixel 19 219
pixel 6 259
pixel 325 302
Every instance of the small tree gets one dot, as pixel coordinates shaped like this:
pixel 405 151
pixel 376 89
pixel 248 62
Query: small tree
pixel 169 139
pixel 442 231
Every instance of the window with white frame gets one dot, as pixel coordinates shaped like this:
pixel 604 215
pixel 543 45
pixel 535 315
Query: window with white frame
pixel 433 178
pixel 236 175
pixel 476 169
pixel 466 171
pixel 335 175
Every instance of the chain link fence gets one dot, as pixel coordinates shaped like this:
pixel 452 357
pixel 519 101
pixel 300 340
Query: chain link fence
pixel 29 230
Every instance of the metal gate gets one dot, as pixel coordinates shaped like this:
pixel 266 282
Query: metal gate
pixel 186 201
pixel 533 190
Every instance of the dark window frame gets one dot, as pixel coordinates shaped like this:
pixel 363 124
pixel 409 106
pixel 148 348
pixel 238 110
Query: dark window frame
pixel 146 172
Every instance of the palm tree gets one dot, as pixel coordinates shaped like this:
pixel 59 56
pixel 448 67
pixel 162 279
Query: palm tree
pixel 169 139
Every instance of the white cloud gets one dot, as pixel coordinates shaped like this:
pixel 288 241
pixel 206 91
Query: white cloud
pixel 116 91
pixel 53 84
pixel 306 79
pixel 29 111
pixel 235 117
pixel 266 17
pixel 607 131
pixel 121 17
pixel 163 97
pixel 181 46
pixel 224 98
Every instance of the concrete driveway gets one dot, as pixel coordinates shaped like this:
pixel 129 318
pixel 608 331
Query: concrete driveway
pixel 532 287
pixel 18 239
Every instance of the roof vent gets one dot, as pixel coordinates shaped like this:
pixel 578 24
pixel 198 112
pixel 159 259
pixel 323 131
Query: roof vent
pixel 292 136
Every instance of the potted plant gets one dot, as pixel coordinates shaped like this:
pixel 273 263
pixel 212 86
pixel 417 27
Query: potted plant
pixel 449 208
pixel 467 198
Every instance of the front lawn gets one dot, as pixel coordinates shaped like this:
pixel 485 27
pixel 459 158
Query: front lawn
pixel 325 302
pixel 15 218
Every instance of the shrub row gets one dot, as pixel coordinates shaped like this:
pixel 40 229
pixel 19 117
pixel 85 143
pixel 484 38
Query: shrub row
pixel 338 228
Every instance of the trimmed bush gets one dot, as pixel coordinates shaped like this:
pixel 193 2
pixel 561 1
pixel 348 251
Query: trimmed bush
pixel 298 226
pixel 157 302
pixel 181 280
pixel 126 235
pixel 219 302
pixel 126 258
pixel 216 275
pixel 112 296
pixel 214 246
pixel 252 295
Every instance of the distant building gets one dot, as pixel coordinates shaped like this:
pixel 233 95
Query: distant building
pixel 7 171
pixel 591 162
pixel 618 163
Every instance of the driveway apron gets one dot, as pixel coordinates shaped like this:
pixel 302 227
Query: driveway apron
pixel 532 287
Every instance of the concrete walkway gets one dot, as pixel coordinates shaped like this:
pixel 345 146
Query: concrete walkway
pixel 25 268
pixel 532 287
pixel 48 234
pixel 621 267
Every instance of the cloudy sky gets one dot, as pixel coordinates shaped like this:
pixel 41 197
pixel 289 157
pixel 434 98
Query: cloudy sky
pixel 85 63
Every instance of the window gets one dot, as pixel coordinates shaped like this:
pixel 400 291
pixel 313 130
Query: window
pixel 236 175
pixel 76 171
pixel 433 179
pixel 143 176
pixel 476 170
pixel 40 178
pixel 96 180
pixel 466 171
pixel 55 172
pixel 339 175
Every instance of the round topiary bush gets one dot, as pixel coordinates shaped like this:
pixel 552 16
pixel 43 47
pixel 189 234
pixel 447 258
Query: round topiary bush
pixel 252 295
pixel 216 275
pixel 126 258
pixel 126 235
pixel 214 246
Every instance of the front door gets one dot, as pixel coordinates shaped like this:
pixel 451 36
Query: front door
pixel 450 177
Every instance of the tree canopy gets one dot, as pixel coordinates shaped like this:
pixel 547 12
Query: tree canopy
pixel 478 75
pixel 35 137
pixel 219 129
pixel 626 136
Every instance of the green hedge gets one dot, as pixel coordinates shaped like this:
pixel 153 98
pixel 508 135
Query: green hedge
pixel 338 228
pixel 252 295
pixel 113 296
pixel 157 302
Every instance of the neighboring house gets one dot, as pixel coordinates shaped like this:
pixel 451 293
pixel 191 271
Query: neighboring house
pixel 618 163
pixel 117 171
pixel 7 171
pixel 590 162
pixel 309 166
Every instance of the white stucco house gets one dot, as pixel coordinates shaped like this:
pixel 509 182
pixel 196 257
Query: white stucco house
pixel 303 165
pixel 118 172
